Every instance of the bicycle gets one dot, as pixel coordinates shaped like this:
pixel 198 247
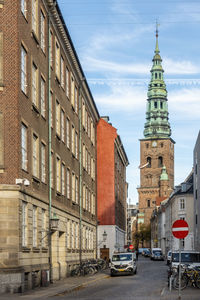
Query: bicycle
pixel 83 269
pixel 188 276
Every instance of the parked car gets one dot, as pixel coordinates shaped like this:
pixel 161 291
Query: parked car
pixel 146 252
pixel 156 254
pixel 169 256
pixel 123 263
pixel 188 257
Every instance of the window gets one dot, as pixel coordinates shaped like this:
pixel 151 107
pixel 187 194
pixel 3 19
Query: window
pixel 148 203
pixel 57 54
pixel 34 226
pixel 43 100
pixel 86 198
pixel 43 228
pixel 67 133
pixel 51 48
pixel 155 104
pixel 182 204
pixel 67 82
pixel 161 105
pixel 24 148
pixel 35 16
pixel 92 131
pixel 34 85
pixel 72 91
pixel 149 162
pixel 160 162
pixel 73 140
pixel 68 183
pixel 52 170
pixel 89 163
pixel 83 204
pixel 42 32
pixel 62 72
pixel 62 125
pixel 23 68
pixel 83 155
pixel 86 159
pixel 76 145
pixel 86 121
pixel 155 75
pixel 24 7
pixel 159 75
pixel 73 187
pixel 52 108
pixel 58 179
pixel 63 179
pixel 76 189
pixel 89 127
pixel 83 113
pixel 76 100
pixel 43 163
pixel 24 224
pixel 89 201
pixel 35 158
pixel 58 118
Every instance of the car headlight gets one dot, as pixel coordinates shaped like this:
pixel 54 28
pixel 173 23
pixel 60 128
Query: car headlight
pixel 130 264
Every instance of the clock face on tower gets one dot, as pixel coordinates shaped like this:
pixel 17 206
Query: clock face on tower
pixel 154 144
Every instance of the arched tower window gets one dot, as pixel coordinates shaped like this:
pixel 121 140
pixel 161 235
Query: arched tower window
pixel 148 203
pixel 149 162
pixel 159 75
pixel 161 105
pixel 155 75
pixel 160 162
pixel 155 104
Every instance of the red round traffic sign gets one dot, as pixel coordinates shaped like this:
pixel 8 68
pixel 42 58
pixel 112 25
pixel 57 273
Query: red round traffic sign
pixel 131 247
pixel 180 229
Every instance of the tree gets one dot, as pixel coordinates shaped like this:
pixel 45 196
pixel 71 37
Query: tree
pixel 143 234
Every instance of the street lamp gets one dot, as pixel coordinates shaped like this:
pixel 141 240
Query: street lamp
pixel 54 223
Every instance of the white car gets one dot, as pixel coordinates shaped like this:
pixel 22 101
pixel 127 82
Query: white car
pixel 123 263
pixel 169 257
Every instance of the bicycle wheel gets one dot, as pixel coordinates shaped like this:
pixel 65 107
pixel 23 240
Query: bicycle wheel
pixel 176 282
pixel 197 281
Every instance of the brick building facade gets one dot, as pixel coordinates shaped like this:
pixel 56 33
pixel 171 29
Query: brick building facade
pixel 111 188
pixel 48 148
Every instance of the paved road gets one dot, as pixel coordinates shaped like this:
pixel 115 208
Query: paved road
pixel 150 283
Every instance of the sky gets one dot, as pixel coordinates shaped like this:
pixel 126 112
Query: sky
pixel 115 43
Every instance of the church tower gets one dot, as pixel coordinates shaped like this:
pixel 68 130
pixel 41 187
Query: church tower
pixel 157 146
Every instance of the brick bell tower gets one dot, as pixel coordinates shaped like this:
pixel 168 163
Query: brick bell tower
pixel 157 146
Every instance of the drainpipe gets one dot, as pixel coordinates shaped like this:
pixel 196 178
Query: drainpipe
pixel 49 150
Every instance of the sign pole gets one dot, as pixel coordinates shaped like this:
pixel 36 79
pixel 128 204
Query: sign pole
pixel 179 289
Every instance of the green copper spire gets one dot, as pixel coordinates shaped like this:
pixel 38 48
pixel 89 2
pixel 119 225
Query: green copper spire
pixel 157 124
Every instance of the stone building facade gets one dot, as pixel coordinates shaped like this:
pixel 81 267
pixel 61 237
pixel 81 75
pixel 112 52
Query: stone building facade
pixel 48 148
pixel 157 146
pixel 111 189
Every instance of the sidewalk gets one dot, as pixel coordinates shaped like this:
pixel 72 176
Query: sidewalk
pixel 60 287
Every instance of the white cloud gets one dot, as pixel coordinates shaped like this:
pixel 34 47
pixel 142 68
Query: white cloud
pixel 179 67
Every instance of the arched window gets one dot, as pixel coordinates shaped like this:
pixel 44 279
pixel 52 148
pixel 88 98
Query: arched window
pixel 155 75
pixel 160 162
pixel 161 105
pixel 159 75
pixel 155 104
pixel 148 203
pixel 149 162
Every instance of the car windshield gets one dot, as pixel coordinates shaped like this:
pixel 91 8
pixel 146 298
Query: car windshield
pixel 157 252
pixel 186 257
pixel 122 257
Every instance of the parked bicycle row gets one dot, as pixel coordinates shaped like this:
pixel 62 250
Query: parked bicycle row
pixel 190 276
pixel 89 267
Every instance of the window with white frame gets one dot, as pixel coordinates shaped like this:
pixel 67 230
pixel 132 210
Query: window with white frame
pixel 93 170
pixel 89 201
pixel 68 133
pixel 83 204
pixel 63 179
pixel 89 163
pixel 76 99
pixel 42 99
pixel 86 159
pixel 62 125
pixel 84 238
pixel 83 113
pixel 89 127
pixel 73 140
pixel 35 16
pixel 76 145
pixel 57 57
pixel 73 188
pixel 62 78
pixel 72 91
pixel 43 162
pixel 182 204
pixel 35 155
pixel 24 7
pixel 51 48
pixel 83 155
pixel 68 183
pixel 24 224
pixel 42 31
pixel 34 85
pixel 43 228
pixel 76 190
pixel 69 244
pixel 67 82
pixel 72 235
pixel 58 125
pixel 86 198
pixel 52 170
pixel 58 173
pixel 77 235
pixel 24 147
pixel 1 59
pixel 86 121
pixel 23 70
pixel 52 109
pixel 34 226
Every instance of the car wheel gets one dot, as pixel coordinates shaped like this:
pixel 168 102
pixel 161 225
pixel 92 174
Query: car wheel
pixel 135 271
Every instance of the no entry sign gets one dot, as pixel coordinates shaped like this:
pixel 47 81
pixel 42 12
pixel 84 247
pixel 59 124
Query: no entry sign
pixel 131 247
pixel 180 229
